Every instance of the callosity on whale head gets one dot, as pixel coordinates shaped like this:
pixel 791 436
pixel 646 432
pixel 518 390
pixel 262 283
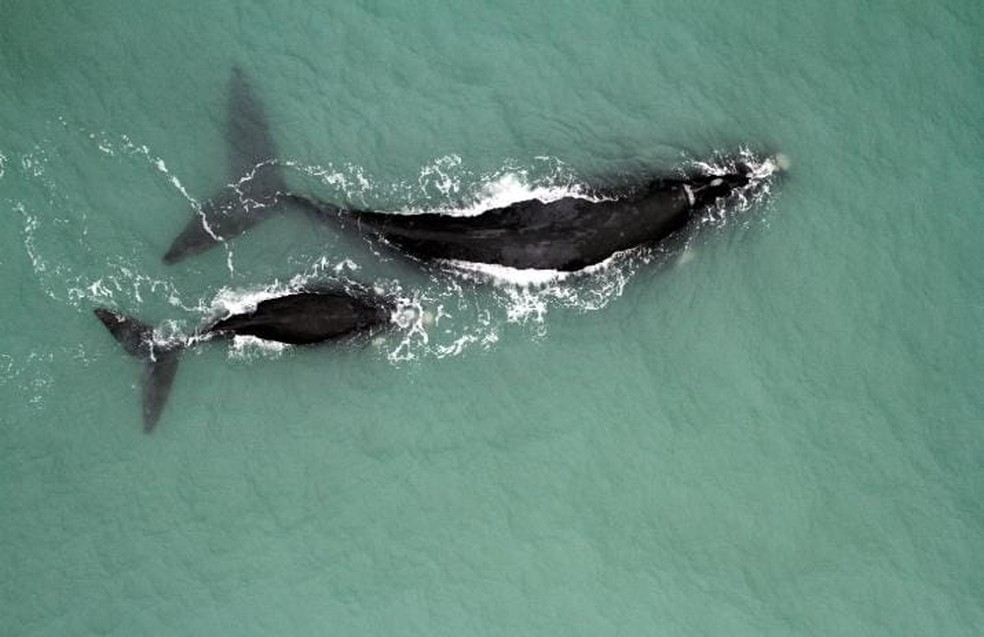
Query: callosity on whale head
pixel 706 190
pixel 742 175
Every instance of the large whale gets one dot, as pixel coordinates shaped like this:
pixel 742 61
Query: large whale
pixel 565 234
pixel 301 318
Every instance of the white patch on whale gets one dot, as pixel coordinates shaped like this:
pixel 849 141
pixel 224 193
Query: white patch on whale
pixel 690 194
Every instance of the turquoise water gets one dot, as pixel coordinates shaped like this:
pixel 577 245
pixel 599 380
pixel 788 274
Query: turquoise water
pixel 776 430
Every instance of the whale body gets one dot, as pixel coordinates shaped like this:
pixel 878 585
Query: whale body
pixel 302 318
pixel 566 234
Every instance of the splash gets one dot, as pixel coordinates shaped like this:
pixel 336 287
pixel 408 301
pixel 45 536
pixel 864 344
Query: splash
pixel 122 282
pixel 248 348
pixel 762 172
pixel 460 308
pixel 229 301
pixel 446 185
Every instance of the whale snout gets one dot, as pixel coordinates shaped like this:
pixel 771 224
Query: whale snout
pixel 723 185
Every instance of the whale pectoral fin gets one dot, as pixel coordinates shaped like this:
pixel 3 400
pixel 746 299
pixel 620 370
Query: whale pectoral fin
pixel 158 376
pixel 160 365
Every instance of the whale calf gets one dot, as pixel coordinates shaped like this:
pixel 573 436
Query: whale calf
pixel 566 234
pixel 301 318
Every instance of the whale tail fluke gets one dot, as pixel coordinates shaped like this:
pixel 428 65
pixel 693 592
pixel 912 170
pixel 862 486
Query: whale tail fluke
pixel 160 362
pixel 256 186
pixel 225 216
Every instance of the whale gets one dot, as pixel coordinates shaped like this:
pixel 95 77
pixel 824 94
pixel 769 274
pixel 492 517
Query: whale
pixel 566 234
pixel 301 318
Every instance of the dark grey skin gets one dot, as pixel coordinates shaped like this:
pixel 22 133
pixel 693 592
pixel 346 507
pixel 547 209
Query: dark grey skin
pixel 568 234
pixel 303 318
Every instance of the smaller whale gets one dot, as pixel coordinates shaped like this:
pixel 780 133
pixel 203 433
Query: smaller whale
pixel 302 318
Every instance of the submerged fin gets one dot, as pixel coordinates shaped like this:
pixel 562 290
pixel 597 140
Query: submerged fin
pixel 135 337
pixel 256 180
pixel 158 376
pixel 160 363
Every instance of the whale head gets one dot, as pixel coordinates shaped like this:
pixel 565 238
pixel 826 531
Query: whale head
pixel 706 190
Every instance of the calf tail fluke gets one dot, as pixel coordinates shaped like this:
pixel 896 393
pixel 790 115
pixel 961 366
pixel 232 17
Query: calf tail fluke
pixel 160 362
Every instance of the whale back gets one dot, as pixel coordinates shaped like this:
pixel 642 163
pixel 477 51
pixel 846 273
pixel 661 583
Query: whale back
pixel 309 317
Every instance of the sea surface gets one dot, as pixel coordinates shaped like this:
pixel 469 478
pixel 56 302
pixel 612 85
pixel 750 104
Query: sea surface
pixel 774 425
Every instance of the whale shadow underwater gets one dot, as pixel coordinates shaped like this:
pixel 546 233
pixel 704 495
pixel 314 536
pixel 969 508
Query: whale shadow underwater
pixel 566 234
pixel 301 318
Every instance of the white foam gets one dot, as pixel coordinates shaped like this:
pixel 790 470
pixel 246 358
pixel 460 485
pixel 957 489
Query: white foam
pixel 528 277
pixel 317 271
pixel 247 347
pixel 31 224
pixel 347 264
pixel 507 275
pixel 760 171
pixel 442 317
pixel 120 280
pixel 350 179
pixel 441 175
pixel 229 302
pixel 34 163
pixel 99 291
pixel 510 188
pixel 447 186
pixel 159 164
